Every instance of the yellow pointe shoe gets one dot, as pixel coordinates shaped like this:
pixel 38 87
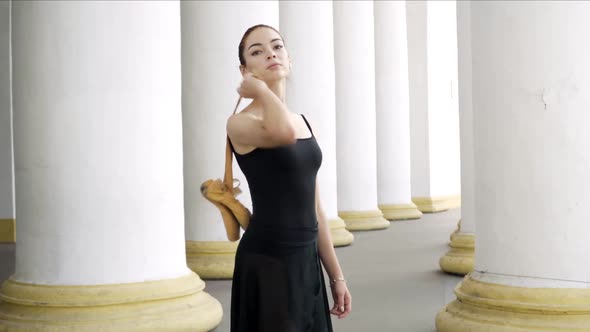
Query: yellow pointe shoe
pixel 217 193
pixel 240 212
pixel 232 227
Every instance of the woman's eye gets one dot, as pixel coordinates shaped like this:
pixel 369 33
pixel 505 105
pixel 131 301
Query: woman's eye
pixel 255 52
pixel 278 47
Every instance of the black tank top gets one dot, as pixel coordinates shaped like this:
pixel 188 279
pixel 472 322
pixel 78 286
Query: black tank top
pixel 282 186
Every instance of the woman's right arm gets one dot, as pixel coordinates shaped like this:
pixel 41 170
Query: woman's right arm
pixel 273 129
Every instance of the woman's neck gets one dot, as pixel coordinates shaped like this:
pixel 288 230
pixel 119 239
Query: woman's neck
pixel 278 88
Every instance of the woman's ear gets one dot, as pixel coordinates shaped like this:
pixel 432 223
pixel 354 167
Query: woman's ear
pixel 243 70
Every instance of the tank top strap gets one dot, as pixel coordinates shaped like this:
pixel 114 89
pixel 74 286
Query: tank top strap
pixel 307 123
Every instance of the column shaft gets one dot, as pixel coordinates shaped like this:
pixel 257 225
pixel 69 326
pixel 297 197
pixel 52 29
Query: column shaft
pixel 393 112
pixel 98 163
pixel 459 259
pixel 355 116
pixel 531 160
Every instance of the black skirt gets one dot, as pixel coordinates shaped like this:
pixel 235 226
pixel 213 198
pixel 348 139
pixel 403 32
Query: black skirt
pixel 278 288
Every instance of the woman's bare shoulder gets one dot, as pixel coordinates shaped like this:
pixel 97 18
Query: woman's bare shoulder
pixel 248 112
pixel 242 121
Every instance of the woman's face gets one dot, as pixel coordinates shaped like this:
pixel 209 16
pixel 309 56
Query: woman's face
pixel 266 56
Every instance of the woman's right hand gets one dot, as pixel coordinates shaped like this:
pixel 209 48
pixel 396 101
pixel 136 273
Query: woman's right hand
pixel 251 87
pixel 342 299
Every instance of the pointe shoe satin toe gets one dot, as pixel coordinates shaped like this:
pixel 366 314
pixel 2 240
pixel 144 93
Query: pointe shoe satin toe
pixel 234 213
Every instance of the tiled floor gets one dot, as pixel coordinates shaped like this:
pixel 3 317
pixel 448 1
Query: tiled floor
pixel 393 276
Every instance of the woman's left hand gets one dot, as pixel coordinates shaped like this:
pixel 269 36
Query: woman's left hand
pixel 342 299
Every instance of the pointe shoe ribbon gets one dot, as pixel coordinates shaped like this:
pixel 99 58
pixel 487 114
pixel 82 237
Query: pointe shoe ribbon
pixel 223 195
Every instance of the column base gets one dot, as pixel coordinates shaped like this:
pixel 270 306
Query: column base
pixel 459 260
pixel 340 235
pixel 178 304
pixel 431 204
pixel 400 211
pixel 453 201
pixel 363 220
pixel 211 259
pixel 7 231
pixel 486 307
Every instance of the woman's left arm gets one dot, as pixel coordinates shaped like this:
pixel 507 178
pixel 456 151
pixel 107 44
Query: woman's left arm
pixel 340 294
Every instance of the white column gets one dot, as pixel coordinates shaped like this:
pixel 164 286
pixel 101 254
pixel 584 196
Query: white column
pixel 393 112
pixel 432 43
pixel 459 259
pixel 418 79
pixel 210 76
pixel 311 91
pixel 356 146
pixel 7 222
pixel 98 162
pixel 531 97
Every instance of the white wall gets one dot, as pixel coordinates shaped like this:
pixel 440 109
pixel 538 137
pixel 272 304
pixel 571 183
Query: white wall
pixel 434 115
pixel 6 169
pixel 443 108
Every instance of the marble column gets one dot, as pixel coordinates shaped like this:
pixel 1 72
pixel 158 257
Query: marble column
pixel 531 88
pixel 211 32
pixel 311 91
pixel 459 259
pixel 98 172
pixel 356 148
pixel 7 221
pixel 393 112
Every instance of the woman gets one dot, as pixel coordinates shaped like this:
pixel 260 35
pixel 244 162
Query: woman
pixel 278 283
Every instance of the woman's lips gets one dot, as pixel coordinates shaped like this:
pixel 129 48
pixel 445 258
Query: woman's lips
pixel 273 65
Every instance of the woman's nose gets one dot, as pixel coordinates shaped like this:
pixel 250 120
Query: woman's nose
pixel 272 55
